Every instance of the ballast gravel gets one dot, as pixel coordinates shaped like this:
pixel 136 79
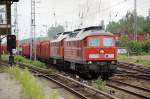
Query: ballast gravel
pixel 9 88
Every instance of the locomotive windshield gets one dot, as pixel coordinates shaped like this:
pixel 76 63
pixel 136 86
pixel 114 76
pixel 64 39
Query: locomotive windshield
pixel 108 42
pixel 94 42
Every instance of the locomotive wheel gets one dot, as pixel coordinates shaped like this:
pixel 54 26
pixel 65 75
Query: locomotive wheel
pixel 95 75
pixel 66 66
pixel 105 76
pixel 85 76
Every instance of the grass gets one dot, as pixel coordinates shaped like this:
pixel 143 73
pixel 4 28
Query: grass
pixel 5 57
pixel 100 84
pixel 134 59
pixel 22 59
pixel 54 95
pixel 31 89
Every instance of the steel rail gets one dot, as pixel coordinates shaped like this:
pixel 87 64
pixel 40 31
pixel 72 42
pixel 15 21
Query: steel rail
pixel 113 85
pixel 47 74
pixel 133 67
pixel 140 88
pixel 89 87
pixel 139 76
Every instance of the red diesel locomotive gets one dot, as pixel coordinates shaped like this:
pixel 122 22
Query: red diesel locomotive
pixel 89 52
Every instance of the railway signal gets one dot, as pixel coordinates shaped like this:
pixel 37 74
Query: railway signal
pixel 11 42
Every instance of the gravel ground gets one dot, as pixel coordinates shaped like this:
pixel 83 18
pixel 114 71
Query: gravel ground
pixel 134 81
pixel 9 88
pixel 145 57
pixel 52 89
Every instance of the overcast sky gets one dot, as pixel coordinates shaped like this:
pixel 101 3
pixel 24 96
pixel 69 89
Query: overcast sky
pixel 67 13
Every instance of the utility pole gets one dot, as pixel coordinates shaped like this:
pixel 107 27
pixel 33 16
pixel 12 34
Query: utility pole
pixel 135 21
pixel 99 10
pixel 33 35
pixel 16 30
pixel 55 20
pixel 66 25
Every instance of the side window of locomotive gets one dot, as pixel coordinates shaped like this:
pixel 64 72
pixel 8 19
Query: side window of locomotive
pixel 94 42
pixel 108 42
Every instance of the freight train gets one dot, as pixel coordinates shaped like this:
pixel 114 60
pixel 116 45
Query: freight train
pixel 89 52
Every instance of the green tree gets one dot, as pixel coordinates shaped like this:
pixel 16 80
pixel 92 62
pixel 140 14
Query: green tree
pixel 113 27
pixel 52 31
pixel 147 24
pixel 126 24
pixel 123 41
pixel 135 47
pixel 147 46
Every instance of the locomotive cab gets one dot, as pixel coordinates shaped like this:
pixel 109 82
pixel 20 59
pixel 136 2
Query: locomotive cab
pixel 101 48
pixel 100 54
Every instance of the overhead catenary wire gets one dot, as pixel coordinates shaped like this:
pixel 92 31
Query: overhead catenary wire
pixel 108 8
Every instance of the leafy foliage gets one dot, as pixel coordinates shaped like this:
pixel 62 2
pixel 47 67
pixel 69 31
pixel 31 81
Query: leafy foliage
pixel 134 47
pixel 123 41
pixel 146 48
pixel 54 30
pixel 147 24
pixel 100 84
pixel 126 24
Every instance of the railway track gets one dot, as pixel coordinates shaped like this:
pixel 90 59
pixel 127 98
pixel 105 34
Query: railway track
pixel 134 67
pixel 132 70
pixel 138 76
pixel 79 89
pixel 129 88
pixel 87 92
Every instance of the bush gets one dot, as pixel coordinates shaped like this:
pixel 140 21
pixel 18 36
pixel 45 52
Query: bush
pixel 135 47
pixel 123 41
pixel 100 84
pixel 146 46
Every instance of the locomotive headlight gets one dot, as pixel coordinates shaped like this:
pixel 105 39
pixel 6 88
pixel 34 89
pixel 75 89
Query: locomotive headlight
pixel 101 51
pixel 109 55
pixel 113 62
pixel 89 62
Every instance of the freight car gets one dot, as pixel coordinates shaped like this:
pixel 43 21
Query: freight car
pixel 45 50
pixel 88 52
pixel 26 50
